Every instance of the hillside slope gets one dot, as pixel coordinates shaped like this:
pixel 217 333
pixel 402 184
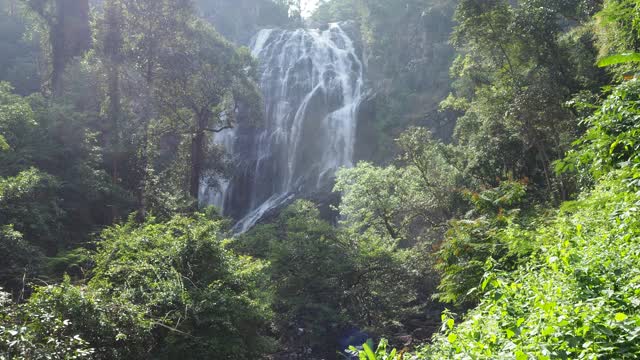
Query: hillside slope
pixel 579 296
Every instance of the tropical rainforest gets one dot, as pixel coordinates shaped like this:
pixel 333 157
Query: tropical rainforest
pixel 485 205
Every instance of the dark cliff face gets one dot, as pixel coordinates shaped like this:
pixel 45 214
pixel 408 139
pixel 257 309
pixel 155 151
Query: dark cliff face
pixel 407 59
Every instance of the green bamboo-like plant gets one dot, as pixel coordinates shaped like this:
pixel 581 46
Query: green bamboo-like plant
pixel 367 352
pixel 617 59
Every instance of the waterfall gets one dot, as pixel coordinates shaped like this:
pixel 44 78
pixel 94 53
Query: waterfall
pixel 311 82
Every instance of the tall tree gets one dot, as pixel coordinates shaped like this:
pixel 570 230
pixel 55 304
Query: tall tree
pixel 514 74
pixel 110 49
pixel 201 87
pixel 69 34
pixel 140 33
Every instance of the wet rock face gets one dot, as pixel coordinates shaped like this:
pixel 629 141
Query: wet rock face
pixel 312 85
pixel 407 58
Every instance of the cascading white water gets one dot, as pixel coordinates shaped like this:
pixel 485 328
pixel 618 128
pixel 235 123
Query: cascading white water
pixel 311 82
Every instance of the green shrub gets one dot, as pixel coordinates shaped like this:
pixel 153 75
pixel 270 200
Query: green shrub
pixel 494 235
pixel 611 142
pixel 201 299
pixel 158 291
pixel 74 322
pixel 30 202
pixel 22 259
pixel 380 353
pixel 576 299
pixel 36 332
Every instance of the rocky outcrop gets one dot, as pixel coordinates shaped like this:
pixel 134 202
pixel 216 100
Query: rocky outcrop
pixel 407 60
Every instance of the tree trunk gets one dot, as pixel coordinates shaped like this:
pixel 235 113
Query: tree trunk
pixel 69 36
pixel 114 116
pixel 197 157
pixel 144 178
pixel 149 76
pixel 58 53
pixel 112 55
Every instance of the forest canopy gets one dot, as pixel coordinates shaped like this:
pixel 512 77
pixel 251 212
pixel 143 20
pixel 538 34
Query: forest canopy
pixel 489 212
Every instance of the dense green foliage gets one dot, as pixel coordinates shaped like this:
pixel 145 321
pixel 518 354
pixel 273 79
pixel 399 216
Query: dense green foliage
pixel 53 185
pixel 406 203
pixel 326 281
pixel 512 86
pixel 158 290
pixel 206 299
pixel 576 297
pixel 551 283
pixel 522 221
pixel 114 132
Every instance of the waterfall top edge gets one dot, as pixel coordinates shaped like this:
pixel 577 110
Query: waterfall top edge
pixel 261 38
pixel 319 28
pixel 309 28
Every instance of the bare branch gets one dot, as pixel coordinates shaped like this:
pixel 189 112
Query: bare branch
pixel 228 126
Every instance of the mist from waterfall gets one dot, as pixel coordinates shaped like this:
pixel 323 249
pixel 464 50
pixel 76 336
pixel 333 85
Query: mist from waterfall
pixel 312 83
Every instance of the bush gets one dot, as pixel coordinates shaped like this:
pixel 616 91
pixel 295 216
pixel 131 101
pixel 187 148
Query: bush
pixel 202 300
pixel 29 201
pixel 22 259
pixel 611 142
pixel 35 332
pixel 494 235
pixel 576 299
pixel 74 322
pixel 158 291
